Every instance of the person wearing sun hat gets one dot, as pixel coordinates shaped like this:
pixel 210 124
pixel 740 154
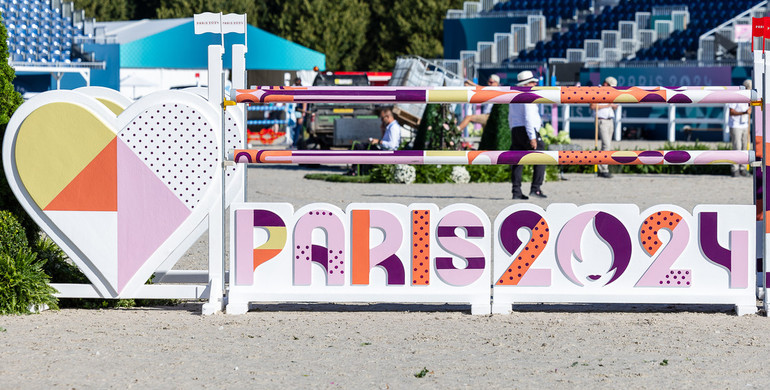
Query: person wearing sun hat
pixel 605 114
pixel 525 123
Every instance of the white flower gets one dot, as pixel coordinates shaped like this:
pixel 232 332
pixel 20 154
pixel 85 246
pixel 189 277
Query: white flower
pixel 460 175
pixel 404 174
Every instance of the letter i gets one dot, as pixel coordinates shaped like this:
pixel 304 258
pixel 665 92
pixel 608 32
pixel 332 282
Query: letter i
pixel 421 247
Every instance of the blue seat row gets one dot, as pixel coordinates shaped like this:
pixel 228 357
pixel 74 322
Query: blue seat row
pixel 36 32
pixel 704 15
pixel 553 10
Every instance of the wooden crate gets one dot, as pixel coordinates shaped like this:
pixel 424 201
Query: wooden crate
pixel 405 117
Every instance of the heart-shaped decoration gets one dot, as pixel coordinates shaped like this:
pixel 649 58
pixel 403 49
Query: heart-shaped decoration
pixel 117 194
pixel 234 175
pixel 234 132
pixel 111 98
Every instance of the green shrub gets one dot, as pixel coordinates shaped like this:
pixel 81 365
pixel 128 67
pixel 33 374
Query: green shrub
pixel 437 130
pixel 10 99
pixel 61 270
pixel 433 173
pixel 13 238
pixel 489 173
pixel 57 267
pixel 496 134
pixel 478 173
pixel 23 284
pixel 337 178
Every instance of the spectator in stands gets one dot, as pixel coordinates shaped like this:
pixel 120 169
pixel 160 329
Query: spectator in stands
pixel 391 132
pixel 525 123
pixel 494 81
pixel 297 130
pixel 739 129
pixel 605 115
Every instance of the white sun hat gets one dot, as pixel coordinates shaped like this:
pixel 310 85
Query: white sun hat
pixel 525 77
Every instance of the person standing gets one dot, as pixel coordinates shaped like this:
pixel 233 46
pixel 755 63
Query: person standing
pixel 739 129
pixel 525 123
pixel 605 114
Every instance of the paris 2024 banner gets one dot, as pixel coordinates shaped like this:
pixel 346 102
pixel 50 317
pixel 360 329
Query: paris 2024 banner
pixel 601 253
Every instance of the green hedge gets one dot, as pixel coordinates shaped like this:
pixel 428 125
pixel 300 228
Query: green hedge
pixel 23 283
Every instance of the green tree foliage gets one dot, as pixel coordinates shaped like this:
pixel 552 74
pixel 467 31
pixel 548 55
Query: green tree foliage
pixel 9 98
pixel 9 101
pixel 105 11
pixel 354 34
pixel 404 27
pixel 336 28
pixel 496 134
pixel 186 8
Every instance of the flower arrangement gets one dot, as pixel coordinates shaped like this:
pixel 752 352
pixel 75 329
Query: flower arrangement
pixel 460 175
pixel 403 173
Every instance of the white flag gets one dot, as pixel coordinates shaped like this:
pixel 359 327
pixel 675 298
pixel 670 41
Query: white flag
pixel 234 23
pixel 208 22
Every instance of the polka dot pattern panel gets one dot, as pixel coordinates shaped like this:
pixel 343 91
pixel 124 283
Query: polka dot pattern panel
pixel 420 255
pixel 178 144
pixel 233 140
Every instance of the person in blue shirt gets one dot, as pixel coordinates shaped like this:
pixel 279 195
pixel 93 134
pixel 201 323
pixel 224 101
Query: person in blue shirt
pixel 391 132
pixel 389 140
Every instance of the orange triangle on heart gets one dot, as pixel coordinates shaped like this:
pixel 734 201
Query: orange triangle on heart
pixel 95 188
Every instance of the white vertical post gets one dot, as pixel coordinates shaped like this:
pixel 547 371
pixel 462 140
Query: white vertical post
pixel 239 82
pixel 726 124
pixel 618 122
pixel 757 119
pixel 555 118
pixel 565 117
pixel 239 66
pixel 216 215
pixel 215 74
pixel 671 123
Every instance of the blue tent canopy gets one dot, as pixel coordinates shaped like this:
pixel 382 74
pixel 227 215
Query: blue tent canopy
pixel 178 47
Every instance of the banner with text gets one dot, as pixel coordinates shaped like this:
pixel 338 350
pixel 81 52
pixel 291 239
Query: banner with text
pixel 422 253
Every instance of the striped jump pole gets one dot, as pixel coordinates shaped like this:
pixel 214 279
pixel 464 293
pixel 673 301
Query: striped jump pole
pixel 496 95
pixel 511 157
pixel 506 95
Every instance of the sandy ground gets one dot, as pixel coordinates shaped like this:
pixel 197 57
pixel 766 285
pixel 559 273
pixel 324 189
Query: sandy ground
pixel 385 345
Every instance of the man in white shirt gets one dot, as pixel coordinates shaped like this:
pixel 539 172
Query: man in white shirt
pixel 605 115
pixel 391 131
pixel 525 123
pixel 739 129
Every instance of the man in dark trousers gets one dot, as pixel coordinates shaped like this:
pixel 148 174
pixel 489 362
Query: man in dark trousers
pixel 525 123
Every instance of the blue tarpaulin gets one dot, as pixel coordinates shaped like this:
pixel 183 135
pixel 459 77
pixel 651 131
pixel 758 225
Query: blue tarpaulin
pixel 179 48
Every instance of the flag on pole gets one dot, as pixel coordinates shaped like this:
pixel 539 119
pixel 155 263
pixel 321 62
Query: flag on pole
pixel 234 23
pixel 757 33
pixel 208 22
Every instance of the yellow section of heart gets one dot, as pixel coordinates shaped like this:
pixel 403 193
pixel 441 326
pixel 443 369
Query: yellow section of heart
pixel 54 143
